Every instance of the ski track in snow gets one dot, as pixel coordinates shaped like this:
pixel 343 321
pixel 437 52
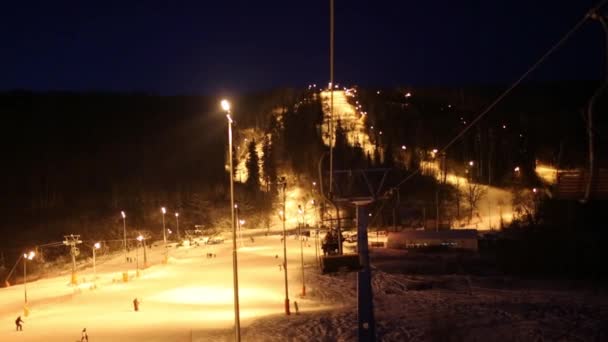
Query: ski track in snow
pixel 450 310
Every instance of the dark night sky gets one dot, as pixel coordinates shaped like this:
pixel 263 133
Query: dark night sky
pixel 174 47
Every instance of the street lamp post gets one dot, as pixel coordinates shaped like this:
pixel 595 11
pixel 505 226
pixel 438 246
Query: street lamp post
pixel 235 275
pixel 302 212
pixel 238 223
pixel 164 211
pixel 143 241
pixel 26 257
pixel 177 221
pixel 284 183
pixel 96 246
pixel 124 232
pixel 241 223
pixel 140 238
pixel 471 163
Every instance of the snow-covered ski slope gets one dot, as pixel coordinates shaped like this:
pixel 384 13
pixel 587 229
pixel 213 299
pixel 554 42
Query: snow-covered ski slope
pixel 190 296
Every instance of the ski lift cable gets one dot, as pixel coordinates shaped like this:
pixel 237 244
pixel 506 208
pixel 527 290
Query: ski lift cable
pixel 13 269
pixel 534 66
pixel 524 75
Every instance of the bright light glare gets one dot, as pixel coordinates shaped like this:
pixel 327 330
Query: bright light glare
pixel 213 296
pixel 30 255
pixel 122 213
pixel 97 245
pixel 471 163
pixel 140 238
pixel 547 173
pixel 403 147
pixel 163 210
pixel 176 214
pixel 225 105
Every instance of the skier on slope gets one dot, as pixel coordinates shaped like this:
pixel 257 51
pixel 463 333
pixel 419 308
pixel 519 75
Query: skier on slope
pixel 18 325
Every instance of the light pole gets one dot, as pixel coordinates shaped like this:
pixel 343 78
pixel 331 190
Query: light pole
pixel 237 222
pixel 164 211
pixel 140 238
pixel 235 274
pixel 471 163
pixel 177 221
pixel 316 230
pixel 26 257
pixel 143 241
pixel 302 213
pixel 241 223
pixel 124 232
pixel 535 198
pixel 96 246
pixel 284 183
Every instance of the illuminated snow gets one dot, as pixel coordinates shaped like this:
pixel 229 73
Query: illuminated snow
pixel 191 292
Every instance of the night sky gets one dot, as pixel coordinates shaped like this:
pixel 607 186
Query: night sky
pixel 203 47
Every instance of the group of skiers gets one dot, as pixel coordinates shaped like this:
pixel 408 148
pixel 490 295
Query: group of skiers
pixel 84 336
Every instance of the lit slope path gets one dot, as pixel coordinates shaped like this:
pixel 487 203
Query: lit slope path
pixel 351 121
pixel 495 204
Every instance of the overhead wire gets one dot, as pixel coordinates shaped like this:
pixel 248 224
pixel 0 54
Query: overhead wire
pixel 534 66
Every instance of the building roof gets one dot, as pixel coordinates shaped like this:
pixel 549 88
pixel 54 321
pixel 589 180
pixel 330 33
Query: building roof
pixel 442 234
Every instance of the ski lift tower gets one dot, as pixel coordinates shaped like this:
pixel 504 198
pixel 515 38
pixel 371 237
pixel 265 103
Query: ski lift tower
pixel 72 241
pixel 361 188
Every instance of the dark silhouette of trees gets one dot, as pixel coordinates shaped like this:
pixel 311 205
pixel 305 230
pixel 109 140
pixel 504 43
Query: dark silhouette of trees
pixel 269 166
pixel 377 158
pixel 474 193
pixel 389 159
pixel 301 137
pixel 253 169
pixel 341 153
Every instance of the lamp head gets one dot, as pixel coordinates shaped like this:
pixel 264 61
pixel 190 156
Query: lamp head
pixel 225 105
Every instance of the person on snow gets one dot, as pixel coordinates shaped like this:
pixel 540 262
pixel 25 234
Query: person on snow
pixel 85 336
pixel 136 304
pixel 18 325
